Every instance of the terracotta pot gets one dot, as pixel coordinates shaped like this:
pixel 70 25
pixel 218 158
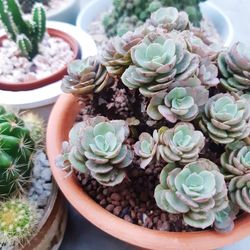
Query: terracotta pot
pixel 61 120
pixel 52 226
pixel 49 79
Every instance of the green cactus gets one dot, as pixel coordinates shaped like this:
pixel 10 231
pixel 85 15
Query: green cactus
pixel 18 221
pixel 26 34
pixel 16 150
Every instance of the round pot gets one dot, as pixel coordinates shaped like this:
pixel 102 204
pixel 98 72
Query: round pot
pixel 41 100
pixel 52 226
pixel 92 10
pixel 67 13
pixel 49 79
pixel 61 121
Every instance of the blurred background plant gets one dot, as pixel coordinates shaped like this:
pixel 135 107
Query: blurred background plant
pixel 127 15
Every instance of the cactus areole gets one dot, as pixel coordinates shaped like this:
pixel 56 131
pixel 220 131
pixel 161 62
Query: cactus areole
pixel 16 149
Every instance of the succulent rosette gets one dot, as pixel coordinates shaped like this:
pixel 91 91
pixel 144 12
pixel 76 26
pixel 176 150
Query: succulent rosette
pixel 146 148
pixel 157 61
pixel 98 146
pixel 85 76
pixel 181 103
pixel 236 160
pixel 180 144
pixel 170 19
pixel 198 192
pixel 226 119
pixel 116 53
pixel 239 191
pixel 234 66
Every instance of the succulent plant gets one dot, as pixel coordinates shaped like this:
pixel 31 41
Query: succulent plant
pixel 98 146
pixel 198 192
pixel 27 5
pixel 142 9
pixel 181 103
pixel 16 151
pixel 239 191
pixel 158 61
pixel 234 67
pixel 36 125
pixel 169 19
pixel 181 144
pixel 235 160
pixel 86 76
pixel 26 34
pixel 224 219
pixel 18 221
pixel 116 54
pixel 226 119
pixel 146 148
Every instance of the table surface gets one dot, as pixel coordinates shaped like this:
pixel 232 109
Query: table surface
pixel 82 235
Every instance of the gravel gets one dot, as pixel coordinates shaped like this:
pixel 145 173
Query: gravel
pixel 54 54
pixel 133 200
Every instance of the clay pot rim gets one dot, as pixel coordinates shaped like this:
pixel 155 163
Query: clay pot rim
pixel 61 120
pixel 30 85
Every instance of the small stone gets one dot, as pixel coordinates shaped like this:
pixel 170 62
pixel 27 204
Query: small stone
pixel 117 210
pixel 46 174
pixel 110 207
pixel 127 218
pixel 47 186
pixel 116 197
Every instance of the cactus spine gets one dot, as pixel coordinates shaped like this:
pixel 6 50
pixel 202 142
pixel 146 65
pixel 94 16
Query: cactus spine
pixel 26 34
pixel 16 151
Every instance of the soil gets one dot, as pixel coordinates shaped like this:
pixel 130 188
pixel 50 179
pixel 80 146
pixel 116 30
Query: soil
pixel 54 54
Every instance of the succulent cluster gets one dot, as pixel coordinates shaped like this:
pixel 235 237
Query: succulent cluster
pixel 191 107
pixel 18 220
pixel 125 16
pixel 16 151
pixel 26 34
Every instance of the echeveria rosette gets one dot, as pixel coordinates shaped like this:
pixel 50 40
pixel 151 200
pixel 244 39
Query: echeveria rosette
pixel 98 146
pixel 157 61
pixel 116 54
pixel 170 19
pixel 239 191
pixel 180 144
pixel 224 219
pixel 85 77
pixel 146 148
pixel 234 66
pixel 226 119
pixel 181 103
pixel 198 191
pixel 235 160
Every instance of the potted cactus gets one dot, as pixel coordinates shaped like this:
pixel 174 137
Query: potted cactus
pixel 29 51
pixel 155 138
pixel 24 175
pixel 117 18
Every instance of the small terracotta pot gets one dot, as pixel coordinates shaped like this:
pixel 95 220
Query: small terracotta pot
pixel 61 120
pixel 22 86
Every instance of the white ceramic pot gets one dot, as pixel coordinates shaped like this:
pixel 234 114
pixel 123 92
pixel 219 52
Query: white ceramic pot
pixel 92 10
pixel 66 13
pixel 42 99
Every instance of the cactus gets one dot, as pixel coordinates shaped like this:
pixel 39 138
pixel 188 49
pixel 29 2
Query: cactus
pixel 16 150
pixel 26 34
pixel 18 221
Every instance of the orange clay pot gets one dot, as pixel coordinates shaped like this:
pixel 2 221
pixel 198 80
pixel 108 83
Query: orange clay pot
pixel 22 86
pixel 61 121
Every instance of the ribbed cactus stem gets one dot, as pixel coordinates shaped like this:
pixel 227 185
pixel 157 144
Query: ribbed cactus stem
pixel 39 19
pixel 26 34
